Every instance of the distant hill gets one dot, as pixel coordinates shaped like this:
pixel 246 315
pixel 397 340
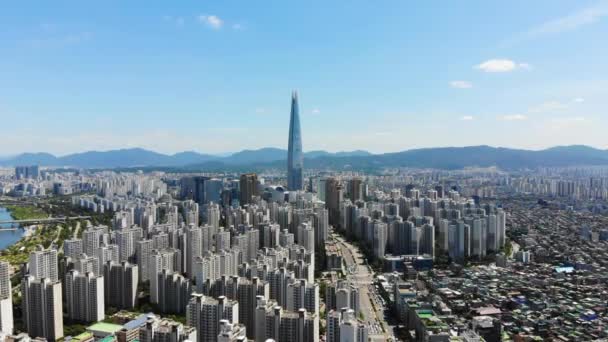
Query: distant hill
pixel 480 156
pixel 263 155
pixel 30 159
pixel 138 157
pixel 440 158
pixel 315 154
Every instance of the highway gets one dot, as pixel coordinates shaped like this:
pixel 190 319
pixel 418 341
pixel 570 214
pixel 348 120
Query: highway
pixel 362 277
pixel 45 220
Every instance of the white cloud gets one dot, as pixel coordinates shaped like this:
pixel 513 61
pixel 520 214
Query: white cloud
pixel 525 66
pixel 212 21
pixel 585 16
pixel 461 84
pixel 514 117
pixel 260 111
pixel 467 118
pixel 578 100
pixel 501 65
pixel 550 106
pixel 582 17
pixel 315 111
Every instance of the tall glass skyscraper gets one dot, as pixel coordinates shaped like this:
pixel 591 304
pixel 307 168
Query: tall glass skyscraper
pixel 295 157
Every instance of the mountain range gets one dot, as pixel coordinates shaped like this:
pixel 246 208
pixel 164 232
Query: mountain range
pixel 440 158
pixel 138 157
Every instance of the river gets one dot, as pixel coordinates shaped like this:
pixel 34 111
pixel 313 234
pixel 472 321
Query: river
pixel 8 237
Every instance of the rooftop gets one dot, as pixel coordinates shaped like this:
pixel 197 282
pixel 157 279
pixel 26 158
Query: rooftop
pixel 105 327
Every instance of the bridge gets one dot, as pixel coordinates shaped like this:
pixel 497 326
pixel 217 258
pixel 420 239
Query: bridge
pixel 41 221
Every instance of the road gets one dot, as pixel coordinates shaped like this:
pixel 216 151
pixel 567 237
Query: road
pixel 362 277
pixel 45 220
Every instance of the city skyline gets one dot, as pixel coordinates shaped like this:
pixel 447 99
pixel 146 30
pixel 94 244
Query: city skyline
pixel 165 77
pixel 154 184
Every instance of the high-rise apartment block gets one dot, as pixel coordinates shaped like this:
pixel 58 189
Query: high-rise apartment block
pixel 6 299
pixel 120 284
pixel 85 296
pixel 42 307
pixel 43 264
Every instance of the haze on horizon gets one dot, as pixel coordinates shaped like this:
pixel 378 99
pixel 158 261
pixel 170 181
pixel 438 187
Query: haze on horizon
pixel 216 78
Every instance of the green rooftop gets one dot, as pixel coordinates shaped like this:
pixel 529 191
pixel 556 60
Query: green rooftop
pixel 425 313
pixel 105 327
pixel 108 338
pixel 82 337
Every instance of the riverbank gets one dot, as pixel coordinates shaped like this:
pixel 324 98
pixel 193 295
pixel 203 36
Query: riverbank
pixel 18 243
pixel 9 233
pixel 18 212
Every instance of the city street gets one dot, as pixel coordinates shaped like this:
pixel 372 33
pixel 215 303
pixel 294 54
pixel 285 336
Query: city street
pixel 362 276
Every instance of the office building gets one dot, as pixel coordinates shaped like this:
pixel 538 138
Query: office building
pixel 248 186
pixel 295 156
pixel 213 190
pixel 355 189
pixel 194 188
pixel 27 172
pixel 333 198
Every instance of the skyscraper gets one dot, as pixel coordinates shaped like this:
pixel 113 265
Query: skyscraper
pixel 295 158
pixel 248 185
pixel 333 197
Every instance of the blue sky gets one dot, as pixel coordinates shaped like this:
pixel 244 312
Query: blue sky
pixel 216 76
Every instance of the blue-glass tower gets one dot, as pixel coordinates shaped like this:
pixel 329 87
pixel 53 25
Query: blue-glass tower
pixel 295 157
